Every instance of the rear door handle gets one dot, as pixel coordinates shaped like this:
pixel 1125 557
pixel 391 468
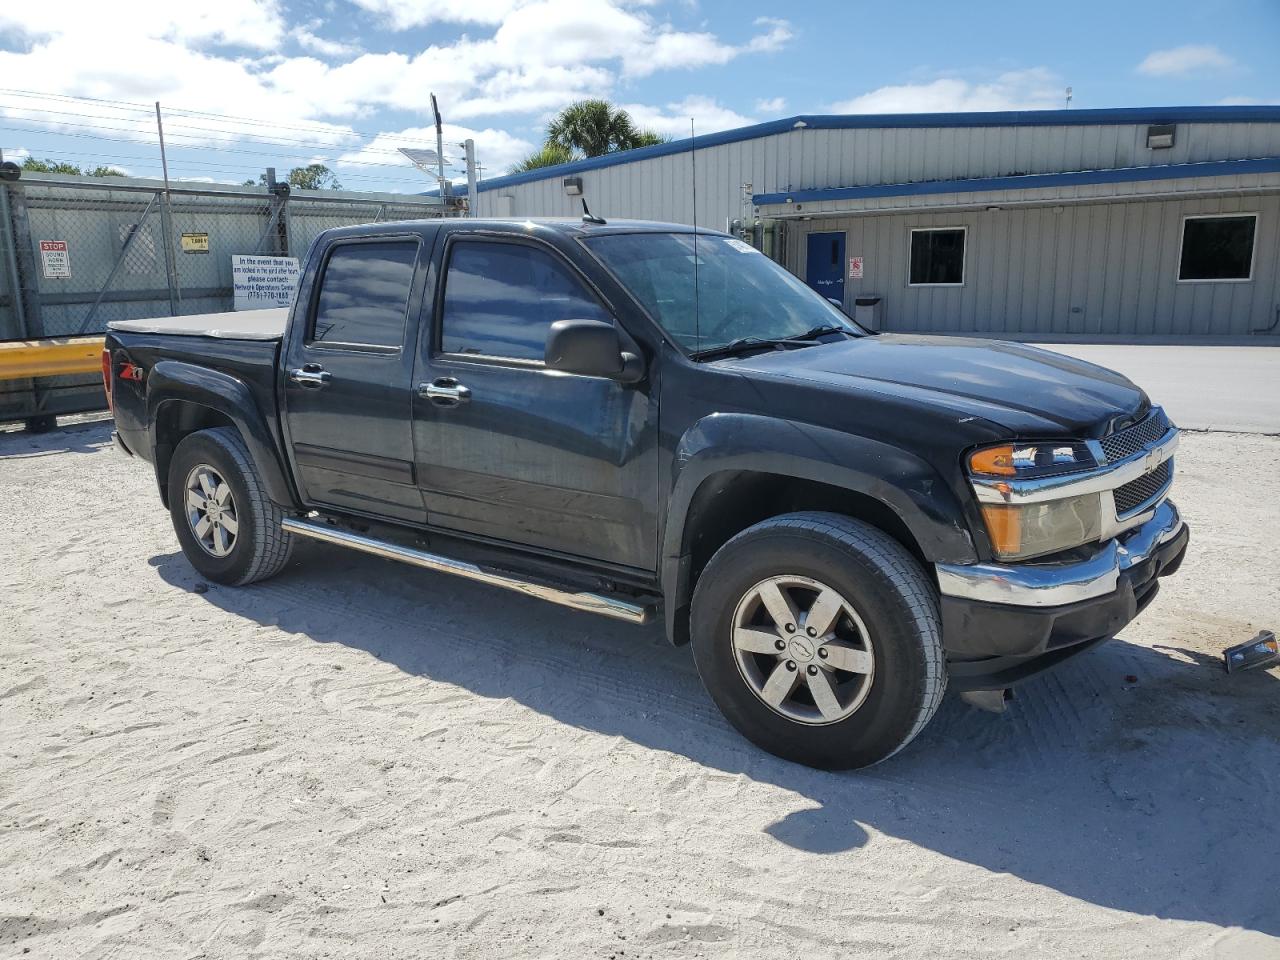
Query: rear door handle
pixel 311 376
pixel 445 392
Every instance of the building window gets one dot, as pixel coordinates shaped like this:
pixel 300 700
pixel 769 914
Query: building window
pixel 937 257
pixel 1217 248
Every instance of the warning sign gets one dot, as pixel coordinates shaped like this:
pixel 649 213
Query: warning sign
pixel 263 282
pixel 55 260
pixel 195 243
pixel 855 268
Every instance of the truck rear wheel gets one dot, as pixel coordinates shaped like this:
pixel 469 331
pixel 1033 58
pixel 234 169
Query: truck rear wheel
pixel 227 525
pixel 818 637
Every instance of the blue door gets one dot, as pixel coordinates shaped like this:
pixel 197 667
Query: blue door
pixel 825 268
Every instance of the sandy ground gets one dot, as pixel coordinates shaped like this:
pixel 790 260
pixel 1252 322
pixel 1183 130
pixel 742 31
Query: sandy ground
pixel 359 759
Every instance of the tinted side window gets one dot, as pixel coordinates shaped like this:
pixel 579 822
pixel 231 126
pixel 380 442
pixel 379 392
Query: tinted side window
pixel 501 298
pixel 364 294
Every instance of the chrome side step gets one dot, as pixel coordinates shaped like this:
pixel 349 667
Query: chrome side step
pixel 590 602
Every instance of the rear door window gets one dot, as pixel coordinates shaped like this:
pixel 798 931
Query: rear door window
pixel 364 294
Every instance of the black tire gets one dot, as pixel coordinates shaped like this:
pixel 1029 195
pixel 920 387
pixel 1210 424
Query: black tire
pixel 896 602
pixel 260 548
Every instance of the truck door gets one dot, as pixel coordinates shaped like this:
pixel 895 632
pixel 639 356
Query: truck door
pixel 824 268
pixel 346 377
pixel 510 450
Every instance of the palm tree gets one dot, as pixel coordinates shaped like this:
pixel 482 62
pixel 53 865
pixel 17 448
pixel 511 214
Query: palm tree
pixel 588 128
pixel 548 155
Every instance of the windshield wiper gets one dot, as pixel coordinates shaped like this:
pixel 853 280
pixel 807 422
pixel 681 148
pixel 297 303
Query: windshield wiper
pixel 821 330
pixel 747 343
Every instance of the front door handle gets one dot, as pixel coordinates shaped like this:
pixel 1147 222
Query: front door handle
pixel 445 392
pixel 311 376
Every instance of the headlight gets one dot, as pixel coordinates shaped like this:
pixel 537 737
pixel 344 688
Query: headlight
pixel 1031 460
pixel 1022 531
pixel 1019 532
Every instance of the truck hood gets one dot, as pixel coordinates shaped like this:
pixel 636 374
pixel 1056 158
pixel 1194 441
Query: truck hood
pixel 1022 388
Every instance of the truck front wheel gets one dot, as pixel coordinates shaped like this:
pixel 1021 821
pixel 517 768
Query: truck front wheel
pixel 818 637
pixel 227 525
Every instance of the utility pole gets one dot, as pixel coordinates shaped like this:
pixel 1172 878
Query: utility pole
pixel 439 147
pixel 166 221
pixel 469 147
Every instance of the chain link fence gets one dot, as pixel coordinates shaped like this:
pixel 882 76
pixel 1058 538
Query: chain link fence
pixel 75 256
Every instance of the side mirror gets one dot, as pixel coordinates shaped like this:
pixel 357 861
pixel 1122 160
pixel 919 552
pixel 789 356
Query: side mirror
pixel 591 348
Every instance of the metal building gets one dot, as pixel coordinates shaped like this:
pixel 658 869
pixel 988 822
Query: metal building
pixel 1159 223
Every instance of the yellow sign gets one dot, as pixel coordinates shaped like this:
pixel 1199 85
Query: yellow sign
pixel 195 243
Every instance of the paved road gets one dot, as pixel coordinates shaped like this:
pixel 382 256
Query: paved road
pixel 1201 388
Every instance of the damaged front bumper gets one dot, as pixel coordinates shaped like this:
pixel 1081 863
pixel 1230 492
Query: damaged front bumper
pixel 1002 623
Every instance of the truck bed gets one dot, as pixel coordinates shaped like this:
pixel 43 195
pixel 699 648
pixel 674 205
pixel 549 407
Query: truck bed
pixel 233 325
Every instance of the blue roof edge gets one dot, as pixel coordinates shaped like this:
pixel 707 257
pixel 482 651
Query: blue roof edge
pixel 871 121
pixel 1027 181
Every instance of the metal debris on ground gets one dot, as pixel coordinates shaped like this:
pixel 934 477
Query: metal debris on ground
pixel 1262 651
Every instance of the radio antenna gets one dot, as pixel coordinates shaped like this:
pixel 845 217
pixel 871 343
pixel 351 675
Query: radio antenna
pixel 693 178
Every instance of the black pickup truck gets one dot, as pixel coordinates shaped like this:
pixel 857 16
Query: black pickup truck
pixel 625 417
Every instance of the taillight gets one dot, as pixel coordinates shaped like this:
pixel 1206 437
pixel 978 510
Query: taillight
pixel 106 376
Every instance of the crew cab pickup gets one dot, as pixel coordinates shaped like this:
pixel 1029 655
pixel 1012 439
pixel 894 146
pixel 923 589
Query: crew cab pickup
pixel 632 417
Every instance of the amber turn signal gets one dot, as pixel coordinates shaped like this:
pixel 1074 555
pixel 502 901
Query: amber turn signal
pixel 1004 527
pixel 993 461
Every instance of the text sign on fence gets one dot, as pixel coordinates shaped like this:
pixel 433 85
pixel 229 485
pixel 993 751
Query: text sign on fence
pixel 264 282
pixel 55 260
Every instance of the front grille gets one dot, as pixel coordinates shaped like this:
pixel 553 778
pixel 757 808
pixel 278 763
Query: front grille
pixel 1127 442
pixel 1135 493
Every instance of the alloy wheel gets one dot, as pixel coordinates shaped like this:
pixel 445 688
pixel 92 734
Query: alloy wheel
pixel 211 510
pixel 803 649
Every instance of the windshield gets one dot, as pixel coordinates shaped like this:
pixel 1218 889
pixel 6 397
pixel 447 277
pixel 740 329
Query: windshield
pixel 742 294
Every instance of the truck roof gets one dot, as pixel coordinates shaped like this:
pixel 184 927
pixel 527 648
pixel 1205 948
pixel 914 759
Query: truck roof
pixel 570 226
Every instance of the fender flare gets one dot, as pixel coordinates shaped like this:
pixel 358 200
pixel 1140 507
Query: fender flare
pixel 175 381
pixel 728 442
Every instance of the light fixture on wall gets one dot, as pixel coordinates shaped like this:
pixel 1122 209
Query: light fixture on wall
pixel 573 186
pixel 1160 136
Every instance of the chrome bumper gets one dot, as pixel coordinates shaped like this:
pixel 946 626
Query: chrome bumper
pixel 1055 584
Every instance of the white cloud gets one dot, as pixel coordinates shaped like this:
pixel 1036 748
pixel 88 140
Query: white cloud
pixel 496 149
pixel 771 105
pixel 708 115
pixel 1034 89
pixel 403 14
pixel 777 34
pixel 226 59
pixel 312 42
pixel 1163 63
pixel 248 23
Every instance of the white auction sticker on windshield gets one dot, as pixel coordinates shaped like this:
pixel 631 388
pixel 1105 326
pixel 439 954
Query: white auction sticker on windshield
pixel 740 246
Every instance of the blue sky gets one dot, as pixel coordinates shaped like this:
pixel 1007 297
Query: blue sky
pixel 251 83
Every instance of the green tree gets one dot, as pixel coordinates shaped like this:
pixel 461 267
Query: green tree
pixel 588 128
pixel 32 165
pixel 314 176
pixel 592 128
pixel 548 155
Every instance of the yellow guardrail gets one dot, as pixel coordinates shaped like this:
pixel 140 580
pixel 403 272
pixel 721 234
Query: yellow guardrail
pixel 56 357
